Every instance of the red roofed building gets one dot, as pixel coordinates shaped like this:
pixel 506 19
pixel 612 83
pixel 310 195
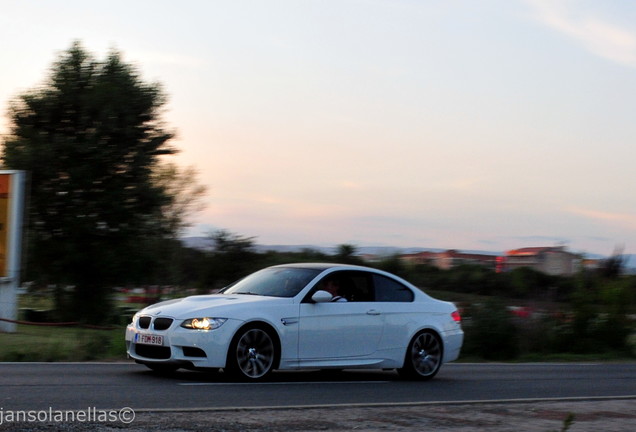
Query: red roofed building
pixel 450 259
pixel 554 261
pixel 419 258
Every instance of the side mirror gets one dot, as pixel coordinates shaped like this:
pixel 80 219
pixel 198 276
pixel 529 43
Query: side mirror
pixel 321 297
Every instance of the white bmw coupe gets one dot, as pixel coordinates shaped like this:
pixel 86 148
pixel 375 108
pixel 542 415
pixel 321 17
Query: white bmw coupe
pixel 300 316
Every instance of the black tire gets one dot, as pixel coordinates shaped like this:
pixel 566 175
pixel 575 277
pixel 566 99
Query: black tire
pixel 253 354
pixel 424 357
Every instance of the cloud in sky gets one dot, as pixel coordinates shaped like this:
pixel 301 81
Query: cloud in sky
pixel 581 22
pixel 622 221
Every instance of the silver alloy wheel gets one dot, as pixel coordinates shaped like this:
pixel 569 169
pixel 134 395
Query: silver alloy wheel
pixel 255 353
pixel 426 354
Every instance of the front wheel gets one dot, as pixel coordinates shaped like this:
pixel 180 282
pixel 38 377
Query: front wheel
pixel 423 357
pixel 252 355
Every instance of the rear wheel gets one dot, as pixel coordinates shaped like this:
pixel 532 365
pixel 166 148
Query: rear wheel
pixel 423 357
pixel 253 354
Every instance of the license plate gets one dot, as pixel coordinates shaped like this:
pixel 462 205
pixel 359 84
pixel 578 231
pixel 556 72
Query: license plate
pixel 148 339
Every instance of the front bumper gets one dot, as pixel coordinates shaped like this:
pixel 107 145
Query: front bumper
pixel 195 348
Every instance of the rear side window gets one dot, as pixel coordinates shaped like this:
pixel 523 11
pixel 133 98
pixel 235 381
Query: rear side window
pixel 389 290
pixel 354 286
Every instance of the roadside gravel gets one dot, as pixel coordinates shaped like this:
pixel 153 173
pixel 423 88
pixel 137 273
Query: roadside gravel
pixel 588 416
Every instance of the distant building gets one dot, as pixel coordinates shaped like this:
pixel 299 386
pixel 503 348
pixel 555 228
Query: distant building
pixel 591 264
pixel 370 258
pixel 450 259
pixel 554 261
pixel 418 258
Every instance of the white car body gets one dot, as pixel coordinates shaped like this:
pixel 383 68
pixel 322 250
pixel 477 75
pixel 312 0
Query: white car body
pixel 306 333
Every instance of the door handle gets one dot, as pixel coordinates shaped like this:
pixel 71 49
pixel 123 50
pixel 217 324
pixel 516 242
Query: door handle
pixel 373 312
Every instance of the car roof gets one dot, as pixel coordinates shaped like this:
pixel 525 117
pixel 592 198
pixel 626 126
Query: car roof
pixel 326 266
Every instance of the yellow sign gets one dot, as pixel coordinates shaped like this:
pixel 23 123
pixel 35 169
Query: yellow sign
pixel 5 187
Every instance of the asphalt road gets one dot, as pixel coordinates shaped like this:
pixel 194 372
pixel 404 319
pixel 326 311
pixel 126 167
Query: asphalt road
pixel 77 386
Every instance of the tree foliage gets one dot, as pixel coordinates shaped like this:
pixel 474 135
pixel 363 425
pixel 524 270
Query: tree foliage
pixel 613 266
pixel 347 254
pixel 491 335
pixel 233 257
pixel 91 138
pixel 183 195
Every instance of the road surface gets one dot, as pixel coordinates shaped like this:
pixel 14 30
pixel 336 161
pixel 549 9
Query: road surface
pixel 76 386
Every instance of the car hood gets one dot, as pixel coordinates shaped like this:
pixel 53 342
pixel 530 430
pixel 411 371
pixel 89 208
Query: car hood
pixel 210 305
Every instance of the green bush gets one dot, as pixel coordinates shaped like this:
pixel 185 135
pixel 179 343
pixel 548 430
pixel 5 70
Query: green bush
pixel 49 344
pixel 491 333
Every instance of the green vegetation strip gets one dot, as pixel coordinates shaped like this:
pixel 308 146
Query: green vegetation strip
pixel 51 344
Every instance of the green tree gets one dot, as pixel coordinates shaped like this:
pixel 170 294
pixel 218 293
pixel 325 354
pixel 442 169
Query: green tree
pixel 184 195
pixel 612 267
pixel 346 254
pixel 233 258
pixel 526 282
pixel 91 137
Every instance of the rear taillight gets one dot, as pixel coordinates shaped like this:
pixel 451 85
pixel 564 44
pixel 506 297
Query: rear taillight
pixel 456 317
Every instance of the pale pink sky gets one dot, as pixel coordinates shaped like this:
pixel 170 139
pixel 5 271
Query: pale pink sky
pixel 456 124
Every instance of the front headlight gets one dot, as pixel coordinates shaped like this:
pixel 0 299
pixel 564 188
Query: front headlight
pixel 203 323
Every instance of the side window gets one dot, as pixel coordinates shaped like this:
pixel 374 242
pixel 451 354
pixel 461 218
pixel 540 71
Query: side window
pixel 353 286
pixel 359 287
pixel 389 290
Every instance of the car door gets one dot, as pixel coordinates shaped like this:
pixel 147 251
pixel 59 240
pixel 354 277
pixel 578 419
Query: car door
pixel 340 330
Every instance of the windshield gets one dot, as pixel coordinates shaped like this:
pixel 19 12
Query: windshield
pixel 274 282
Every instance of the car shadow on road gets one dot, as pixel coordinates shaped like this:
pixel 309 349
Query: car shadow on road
pixel 317 376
